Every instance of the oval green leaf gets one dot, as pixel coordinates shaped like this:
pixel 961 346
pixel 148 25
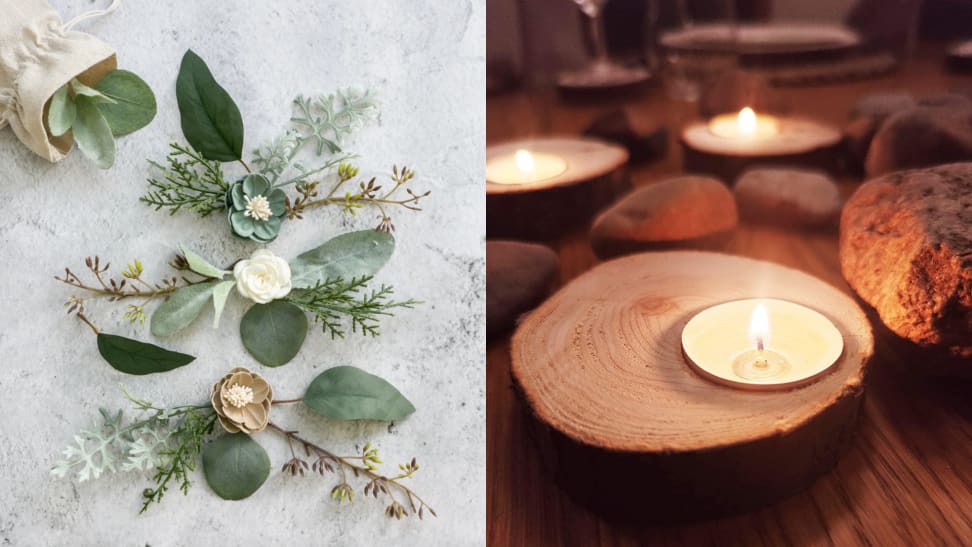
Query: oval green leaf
pixel 349 255
pixel 181 309
pixel 92 133
pixel 273 333
pixel 61 113
pixel 211 120
pixel 235 466
pixel 134 105
pixel 349 393
pixel 200 265
pixel 134 357
pixel 220 293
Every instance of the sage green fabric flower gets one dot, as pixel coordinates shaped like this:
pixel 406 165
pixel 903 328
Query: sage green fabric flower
pixel 255 208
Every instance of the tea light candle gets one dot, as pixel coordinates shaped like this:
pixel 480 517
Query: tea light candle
pixel 524 166
pixel 745 125
pixel 761 344
pixel 729 143
pixel 538 188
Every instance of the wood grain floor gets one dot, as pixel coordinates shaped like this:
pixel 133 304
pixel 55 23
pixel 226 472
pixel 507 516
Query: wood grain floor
pixel 907 480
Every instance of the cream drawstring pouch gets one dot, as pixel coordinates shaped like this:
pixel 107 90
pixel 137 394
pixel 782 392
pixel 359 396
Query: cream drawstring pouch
pixel 38 55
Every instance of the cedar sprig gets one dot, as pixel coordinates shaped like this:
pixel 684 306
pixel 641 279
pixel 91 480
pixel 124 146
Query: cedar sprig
pixel 402 500
pixel 179 459
pixel 332 300
pixel 188 181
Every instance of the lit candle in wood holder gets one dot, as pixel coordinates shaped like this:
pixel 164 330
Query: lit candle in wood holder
pixel 796 347
pixel 638 434
pixel 524 167
pixel 540 188
pixel 729 143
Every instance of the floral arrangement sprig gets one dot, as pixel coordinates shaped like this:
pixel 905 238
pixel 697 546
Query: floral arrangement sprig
pixel 257 203
pixel 330 282
pixel 170 442
pixel 119 104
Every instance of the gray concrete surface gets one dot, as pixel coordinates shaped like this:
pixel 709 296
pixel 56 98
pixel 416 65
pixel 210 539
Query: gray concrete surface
pixel 426 60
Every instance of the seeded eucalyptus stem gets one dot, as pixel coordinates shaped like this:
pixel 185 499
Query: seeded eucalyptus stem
pixel 378 483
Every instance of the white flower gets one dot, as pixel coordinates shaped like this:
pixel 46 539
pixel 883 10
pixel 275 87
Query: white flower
pixel 257 208
pixel 262 278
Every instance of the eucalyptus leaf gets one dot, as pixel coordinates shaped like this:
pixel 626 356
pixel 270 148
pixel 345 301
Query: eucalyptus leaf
pixel 349 393
pixel 81 90
pixel 134 103
pixel 211 120
pixel 349 255
pixel 61 113
pixel 181 309
pixel 134 357
pixel 235 466
pixel 220 293
pixel 92 133
pixel 200 265
pixel 273 333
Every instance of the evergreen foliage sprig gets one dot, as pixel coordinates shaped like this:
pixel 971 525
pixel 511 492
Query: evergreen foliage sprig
pixel 335 298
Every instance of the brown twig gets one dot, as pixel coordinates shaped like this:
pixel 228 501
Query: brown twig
pixel 378 482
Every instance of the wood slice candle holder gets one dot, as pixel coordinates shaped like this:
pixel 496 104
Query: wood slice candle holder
pixel 545 209
pixel 635 434
pixel 801 142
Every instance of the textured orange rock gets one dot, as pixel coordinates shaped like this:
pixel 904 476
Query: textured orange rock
pixel 906 249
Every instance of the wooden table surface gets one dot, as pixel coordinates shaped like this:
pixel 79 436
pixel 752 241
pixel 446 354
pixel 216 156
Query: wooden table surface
pixel 907 480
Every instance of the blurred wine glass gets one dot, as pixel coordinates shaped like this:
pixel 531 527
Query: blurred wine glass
pixel 686 72
pixel 601 70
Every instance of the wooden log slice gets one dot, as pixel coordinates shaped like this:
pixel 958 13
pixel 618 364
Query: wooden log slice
pixel 802 142
pixel 545 209
pixel 634 433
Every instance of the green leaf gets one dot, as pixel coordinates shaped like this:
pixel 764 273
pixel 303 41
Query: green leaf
pixel 199 265
pixel 273 332
pixel 349 393
pixel 211 121
pixel 346 256
pixel 61 113
pixel 92 133
pixel 134 105
pixel 220 292
pixel 181 309
pixel 134 357
pixel 235 466
pixel 81 90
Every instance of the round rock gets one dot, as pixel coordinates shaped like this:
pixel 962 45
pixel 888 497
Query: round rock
pixel 921 136
pixel 690 211
pixel 518 277
pixel 906 249
pixel 788 197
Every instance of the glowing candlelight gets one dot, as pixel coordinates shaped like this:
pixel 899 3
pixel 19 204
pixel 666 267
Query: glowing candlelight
pixel 524 166
pixel 744 125
pixel 759 329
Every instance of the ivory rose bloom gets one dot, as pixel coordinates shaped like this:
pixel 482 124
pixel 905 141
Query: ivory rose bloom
pixel 242 400
pixel 263 277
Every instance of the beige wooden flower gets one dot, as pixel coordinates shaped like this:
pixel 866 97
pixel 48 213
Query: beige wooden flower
pixel 242 400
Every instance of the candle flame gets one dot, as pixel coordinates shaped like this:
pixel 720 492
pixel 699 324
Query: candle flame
pixel 524 161
pixel 747 121
pixel 759 328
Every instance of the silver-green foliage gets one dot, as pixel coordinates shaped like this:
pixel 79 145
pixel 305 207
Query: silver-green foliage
pixel 326 121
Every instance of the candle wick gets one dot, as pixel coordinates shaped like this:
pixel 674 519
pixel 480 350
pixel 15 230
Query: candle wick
pixel 759 344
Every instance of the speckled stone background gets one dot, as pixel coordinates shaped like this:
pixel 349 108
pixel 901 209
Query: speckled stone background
pixel 426 60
